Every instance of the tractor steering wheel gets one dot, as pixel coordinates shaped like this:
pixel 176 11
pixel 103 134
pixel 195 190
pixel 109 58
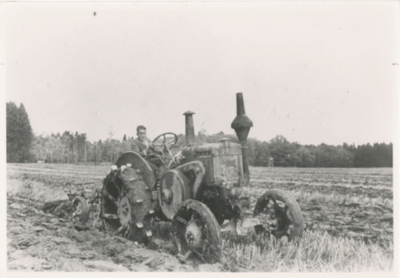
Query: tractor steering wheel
pixel 166 140
pixel 162 144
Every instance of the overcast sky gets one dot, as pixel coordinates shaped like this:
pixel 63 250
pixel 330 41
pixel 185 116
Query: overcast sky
pixel 312 72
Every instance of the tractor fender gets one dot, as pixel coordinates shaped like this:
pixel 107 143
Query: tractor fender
pixel 140 163
pixel 199 171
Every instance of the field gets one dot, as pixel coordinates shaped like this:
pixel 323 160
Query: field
pixel 348 218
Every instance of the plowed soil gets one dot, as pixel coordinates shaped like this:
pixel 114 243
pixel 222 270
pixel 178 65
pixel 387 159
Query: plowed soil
pixel 343 202
pixel 39 241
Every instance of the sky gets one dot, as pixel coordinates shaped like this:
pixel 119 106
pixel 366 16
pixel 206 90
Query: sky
pixel 312 72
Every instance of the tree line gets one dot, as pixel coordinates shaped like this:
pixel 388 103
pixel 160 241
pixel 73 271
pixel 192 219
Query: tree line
pixel 69 147
pixel 74 148
pixel 287 154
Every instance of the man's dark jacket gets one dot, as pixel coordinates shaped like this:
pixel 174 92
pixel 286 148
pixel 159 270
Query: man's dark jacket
pixel 139 146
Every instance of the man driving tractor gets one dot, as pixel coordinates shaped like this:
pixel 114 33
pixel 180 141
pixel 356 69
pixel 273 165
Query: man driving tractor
pixel 142 143
pixel 143 146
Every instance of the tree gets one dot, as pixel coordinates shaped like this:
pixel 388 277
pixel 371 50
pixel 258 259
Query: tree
pixel 54 149
pixel 38 149
pixel 281 150
pixel 49 149
pixel 66 139
pixel 302 157
pixel 378 155
pixel 19 133
pixel 261 154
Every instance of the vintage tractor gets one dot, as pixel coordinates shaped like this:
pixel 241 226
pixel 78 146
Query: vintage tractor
pixel 197 189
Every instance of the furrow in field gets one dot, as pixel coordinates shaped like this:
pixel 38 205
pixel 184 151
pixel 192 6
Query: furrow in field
pixel 75 170
pixel 313 183
pixel 341 193
pixel 334 180
pixel 342 215
pixel 354 176
pixel 71 174
pixel 323 177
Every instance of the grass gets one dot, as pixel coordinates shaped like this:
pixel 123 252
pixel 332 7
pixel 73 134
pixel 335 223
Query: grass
pixel 317 251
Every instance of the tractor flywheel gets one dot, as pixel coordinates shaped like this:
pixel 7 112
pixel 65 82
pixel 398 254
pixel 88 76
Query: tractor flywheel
pixel 174 189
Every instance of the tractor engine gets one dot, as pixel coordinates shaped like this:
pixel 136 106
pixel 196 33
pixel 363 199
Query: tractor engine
pixel 226 173
pixel 222 162
pixel 223 168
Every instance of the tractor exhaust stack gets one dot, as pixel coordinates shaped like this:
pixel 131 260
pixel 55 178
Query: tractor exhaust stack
pixel 242 124
pixel 190 137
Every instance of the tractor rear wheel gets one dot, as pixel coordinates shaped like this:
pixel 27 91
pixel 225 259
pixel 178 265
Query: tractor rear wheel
pixel 109 201
pixel 126 204
pixel 196 232
pixel 280 215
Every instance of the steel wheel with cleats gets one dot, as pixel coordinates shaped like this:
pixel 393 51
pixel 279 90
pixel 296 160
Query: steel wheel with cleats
pixel 279 214
pixel 109 201
pixel 126 204
pixel 196 232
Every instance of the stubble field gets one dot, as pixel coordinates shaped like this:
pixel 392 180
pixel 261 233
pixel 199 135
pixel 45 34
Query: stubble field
pixel 348 219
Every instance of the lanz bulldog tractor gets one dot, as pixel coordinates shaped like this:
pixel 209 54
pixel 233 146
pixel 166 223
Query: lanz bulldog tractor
pixel 197 189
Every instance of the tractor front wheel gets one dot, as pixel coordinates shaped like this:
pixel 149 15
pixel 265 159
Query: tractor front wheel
pixel 279 214
pixel 196 232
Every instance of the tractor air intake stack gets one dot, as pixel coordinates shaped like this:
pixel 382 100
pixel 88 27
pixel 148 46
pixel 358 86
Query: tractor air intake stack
pixel 190 138
pixel 242 124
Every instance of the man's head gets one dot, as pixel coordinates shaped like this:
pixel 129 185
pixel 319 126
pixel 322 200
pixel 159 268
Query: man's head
pixel 141 132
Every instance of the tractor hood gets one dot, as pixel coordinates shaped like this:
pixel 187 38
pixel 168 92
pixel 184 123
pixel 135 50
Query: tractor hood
pixel 222 162
pixel 225 147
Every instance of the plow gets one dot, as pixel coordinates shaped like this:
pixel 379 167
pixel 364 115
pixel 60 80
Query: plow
pixel 202 190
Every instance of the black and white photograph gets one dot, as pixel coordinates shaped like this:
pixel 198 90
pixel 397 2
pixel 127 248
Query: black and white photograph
pixel 200 137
